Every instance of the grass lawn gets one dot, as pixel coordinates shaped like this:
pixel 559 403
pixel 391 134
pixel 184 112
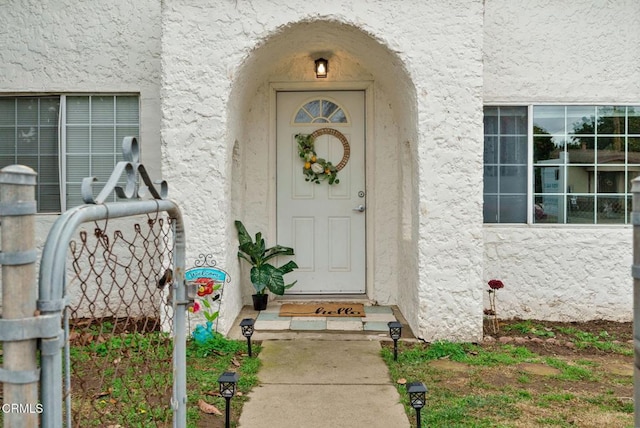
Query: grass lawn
pixel 548 375
pixel 583 377
pixel 125 380
pixel 204 365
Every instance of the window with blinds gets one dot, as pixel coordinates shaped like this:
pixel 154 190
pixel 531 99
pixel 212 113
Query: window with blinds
pixel 95 126
pixel 89 138
pixel 29 136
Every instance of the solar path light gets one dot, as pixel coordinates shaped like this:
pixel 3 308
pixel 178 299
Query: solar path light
pixel 247 331
pixel 395 331
pixel 228 381
pixel 417 392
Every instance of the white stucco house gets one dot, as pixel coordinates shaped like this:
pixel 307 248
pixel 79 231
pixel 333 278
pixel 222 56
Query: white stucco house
pixel 476 139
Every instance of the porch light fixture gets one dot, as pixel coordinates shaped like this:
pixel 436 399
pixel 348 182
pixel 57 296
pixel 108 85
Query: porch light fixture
pixel 322 68
pixel 228 381
pixel 417 398
pixel 247 331
pixel 395 331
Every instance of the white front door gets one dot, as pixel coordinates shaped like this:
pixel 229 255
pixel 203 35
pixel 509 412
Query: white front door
pixel 325 224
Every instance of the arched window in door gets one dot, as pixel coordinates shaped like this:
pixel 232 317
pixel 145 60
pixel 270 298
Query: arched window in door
pixel 321 110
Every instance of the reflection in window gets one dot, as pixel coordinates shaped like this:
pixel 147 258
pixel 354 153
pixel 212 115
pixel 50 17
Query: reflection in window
pixel 320 111
pixel 505 160
pixel 584 160
pixel 29 136
pixel 594 156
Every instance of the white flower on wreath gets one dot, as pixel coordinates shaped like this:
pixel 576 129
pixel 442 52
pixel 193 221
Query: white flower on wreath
pixel 317 168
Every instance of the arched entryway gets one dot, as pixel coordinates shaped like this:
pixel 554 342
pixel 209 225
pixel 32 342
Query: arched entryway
pixel 358 62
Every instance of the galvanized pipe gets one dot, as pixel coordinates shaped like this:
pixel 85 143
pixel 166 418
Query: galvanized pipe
pixel 635 271
pixel 52 293
pixel 180 305
pixel 19 294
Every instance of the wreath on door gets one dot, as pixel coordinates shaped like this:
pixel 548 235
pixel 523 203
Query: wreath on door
pixel 317 169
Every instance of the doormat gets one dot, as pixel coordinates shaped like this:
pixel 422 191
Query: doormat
pixel 322 310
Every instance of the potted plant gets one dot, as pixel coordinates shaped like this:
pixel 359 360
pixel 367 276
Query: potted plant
pixel 264 276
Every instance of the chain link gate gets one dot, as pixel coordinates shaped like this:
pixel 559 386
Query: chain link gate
pixel 114 274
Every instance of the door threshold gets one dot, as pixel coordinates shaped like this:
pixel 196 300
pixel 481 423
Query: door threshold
pixel 356 298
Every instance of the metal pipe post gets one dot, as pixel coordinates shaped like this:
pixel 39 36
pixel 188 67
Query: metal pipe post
pixel 227 418
pixel 19 294
pixel 635 271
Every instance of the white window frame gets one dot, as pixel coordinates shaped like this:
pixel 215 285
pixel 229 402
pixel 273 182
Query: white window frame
pixel 62 132
pixel 530 164
pixel 529 157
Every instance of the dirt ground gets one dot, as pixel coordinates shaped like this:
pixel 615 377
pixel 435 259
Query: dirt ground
pixel 603 397
pixel 621 332
pixel 536 395
pixel 601 402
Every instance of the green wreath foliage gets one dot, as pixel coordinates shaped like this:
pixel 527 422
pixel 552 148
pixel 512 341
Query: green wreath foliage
pixel 315 169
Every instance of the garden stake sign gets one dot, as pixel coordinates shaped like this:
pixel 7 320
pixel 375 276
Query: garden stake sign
pixel 208 282
pixel 316 169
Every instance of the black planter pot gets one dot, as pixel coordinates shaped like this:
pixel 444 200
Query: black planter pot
pixel 260 301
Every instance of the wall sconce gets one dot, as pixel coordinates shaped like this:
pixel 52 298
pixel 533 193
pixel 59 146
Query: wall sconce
pixel 395 331
pixel 417 398
pixel 247 330
pixel 227 383
pixel 322 68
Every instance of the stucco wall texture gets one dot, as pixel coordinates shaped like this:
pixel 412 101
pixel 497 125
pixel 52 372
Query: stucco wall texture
pixel 443 297
pixel 205 70
pixel 51 46
pixel 71 47
pixel 561 52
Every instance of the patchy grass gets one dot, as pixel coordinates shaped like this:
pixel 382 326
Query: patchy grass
pixel 599 335
pixel 589 385
pixel 125 379
pixel 205 363
pixel 529 327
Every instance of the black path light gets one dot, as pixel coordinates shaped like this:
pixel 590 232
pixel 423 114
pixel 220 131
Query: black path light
pixel 395 331
pixel 417 398
pixel 247 331
pixel 228 381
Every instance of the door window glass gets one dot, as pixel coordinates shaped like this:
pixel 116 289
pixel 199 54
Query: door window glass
pixel 320 111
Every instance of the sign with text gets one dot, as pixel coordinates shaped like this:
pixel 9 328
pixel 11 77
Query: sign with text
pixel 205 283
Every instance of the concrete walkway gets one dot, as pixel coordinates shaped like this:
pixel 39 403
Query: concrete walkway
pixel 323 383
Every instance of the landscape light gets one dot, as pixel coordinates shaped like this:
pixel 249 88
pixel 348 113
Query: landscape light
pixel 417 398
pixel 247 331
pixel 228 381
pixel 395 331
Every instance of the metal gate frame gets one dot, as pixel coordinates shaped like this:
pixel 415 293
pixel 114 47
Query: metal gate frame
pixel 52 281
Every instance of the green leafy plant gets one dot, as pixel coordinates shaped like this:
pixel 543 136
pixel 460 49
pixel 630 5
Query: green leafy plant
pixel 528 327
pixel 315 169
pixel 264 275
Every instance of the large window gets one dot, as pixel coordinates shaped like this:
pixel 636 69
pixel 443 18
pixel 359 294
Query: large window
pixel 64 139
pixel 583 159
pixel 505 164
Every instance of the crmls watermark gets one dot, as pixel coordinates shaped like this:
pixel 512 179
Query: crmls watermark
pixel 21 408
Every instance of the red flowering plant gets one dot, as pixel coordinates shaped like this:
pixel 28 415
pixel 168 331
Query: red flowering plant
pixel 207 288
pixel 494 286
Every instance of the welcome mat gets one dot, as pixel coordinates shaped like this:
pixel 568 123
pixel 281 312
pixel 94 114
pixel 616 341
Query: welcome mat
pixel 322 310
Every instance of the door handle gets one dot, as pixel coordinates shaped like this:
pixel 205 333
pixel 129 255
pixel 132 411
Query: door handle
pixel 359 208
